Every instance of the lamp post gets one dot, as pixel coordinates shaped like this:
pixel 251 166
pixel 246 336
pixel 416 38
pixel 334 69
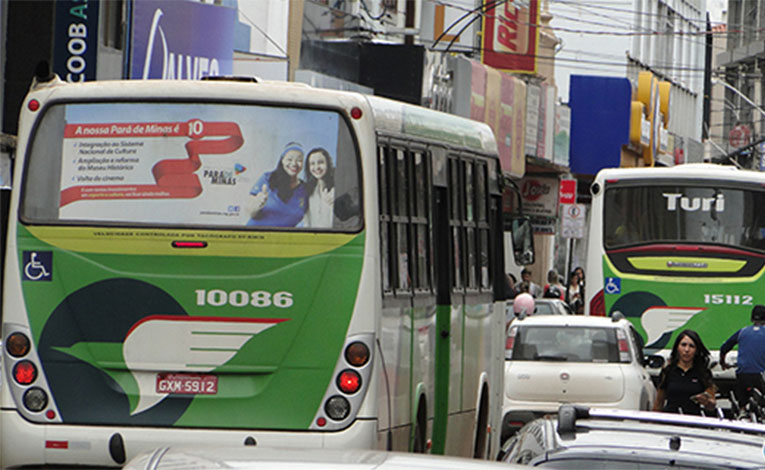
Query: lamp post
pixel 739 93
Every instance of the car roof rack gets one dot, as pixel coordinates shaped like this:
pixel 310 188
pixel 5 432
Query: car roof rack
pixel 231 78
pixel 568 414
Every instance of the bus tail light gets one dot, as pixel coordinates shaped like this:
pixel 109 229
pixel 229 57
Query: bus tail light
pixel 337 408
pixel 598 304
pixel 510 342
pixel 357 354
pixel 349 381
pixel 25 372
pixel 35 399
pixel 347 389
pixel 624 348
pixel 17 344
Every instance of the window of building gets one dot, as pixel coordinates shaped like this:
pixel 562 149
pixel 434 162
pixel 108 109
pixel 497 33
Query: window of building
pixel 112 21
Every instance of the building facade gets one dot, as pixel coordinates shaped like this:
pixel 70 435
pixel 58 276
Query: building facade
pixel 740 67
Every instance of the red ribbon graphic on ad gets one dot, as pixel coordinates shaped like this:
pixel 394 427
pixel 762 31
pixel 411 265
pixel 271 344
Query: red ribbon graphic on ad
pixel 175 178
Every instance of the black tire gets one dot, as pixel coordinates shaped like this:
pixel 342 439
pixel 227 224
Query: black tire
pixel 480 451
pixel 419 445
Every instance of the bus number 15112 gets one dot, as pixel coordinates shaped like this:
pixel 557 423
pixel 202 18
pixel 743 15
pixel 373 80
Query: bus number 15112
pixel 728 299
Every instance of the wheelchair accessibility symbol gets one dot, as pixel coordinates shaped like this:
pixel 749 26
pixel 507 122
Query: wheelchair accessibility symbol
pixel 613 285
pixel 38 265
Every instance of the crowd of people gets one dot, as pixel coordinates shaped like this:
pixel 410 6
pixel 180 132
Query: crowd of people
pixel 572 293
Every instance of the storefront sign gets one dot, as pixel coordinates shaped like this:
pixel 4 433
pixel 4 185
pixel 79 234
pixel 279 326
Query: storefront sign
pixel 511 35
pixel 175 40
pixel 540 196
pixel 567 192
pixel 76 40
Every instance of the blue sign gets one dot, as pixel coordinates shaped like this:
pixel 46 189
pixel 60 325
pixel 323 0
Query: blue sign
pixel 38 265
pixel 613 285
pixel 600 122
pixel 181 40
pixel 75 40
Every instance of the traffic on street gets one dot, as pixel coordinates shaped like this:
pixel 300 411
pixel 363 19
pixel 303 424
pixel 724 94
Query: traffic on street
pixel 382 234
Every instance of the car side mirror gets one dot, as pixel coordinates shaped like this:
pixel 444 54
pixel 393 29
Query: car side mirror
pixel 654 361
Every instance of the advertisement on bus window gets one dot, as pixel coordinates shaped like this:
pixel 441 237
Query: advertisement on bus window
pixel 216 165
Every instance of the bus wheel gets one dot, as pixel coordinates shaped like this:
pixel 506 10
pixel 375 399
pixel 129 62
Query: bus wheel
pixel 420 427
pixel 480 450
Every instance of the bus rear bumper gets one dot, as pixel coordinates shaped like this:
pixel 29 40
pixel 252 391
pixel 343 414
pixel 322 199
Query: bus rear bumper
pixel 26 444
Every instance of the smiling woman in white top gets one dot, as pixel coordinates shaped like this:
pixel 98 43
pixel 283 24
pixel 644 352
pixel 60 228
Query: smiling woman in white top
pixel 320 185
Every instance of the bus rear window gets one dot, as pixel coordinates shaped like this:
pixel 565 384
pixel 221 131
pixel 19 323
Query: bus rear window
pixel 193 164
pixel 713 214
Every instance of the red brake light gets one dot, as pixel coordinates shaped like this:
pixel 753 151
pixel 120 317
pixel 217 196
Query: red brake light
pixel 184 244
pixel 510 342
pixel 356 113
pixel 623 347
pixel 349 381
pixel 33 105
pixel 25 372
pixel 598 304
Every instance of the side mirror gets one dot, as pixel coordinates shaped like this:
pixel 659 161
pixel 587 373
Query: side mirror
pixel 654 361
pixel 7 150
pixel 523 241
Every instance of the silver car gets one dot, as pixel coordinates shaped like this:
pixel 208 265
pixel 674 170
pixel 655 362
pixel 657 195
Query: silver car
pixel 263 458
pixel 580 437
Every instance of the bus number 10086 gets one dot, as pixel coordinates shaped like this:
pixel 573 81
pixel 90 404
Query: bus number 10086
pixel 731 299
pixel 240 298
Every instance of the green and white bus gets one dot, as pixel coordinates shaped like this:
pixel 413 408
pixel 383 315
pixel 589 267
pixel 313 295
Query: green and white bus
pixel 163 286
pixel 675 248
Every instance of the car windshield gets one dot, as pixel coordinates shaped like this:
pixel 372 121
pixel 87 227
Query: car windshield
pixel 713 214
pixel 540 308
pixel 566 343
pixel 544 309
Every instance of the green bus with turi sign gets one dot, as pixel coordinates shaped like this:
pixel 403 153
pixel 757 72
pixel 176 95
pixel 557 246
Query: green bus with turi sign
pixel 678 248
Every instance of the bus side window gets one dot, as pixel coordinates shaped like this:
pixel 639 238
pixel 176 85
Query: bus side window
pixel 484 253
pixel 469 222
pixel 421 221
pixel 385 216
pixel 402 185
pixel 455 222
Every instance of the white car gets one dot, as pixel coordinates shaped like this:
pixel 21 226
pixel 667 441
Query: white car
pixel 556 359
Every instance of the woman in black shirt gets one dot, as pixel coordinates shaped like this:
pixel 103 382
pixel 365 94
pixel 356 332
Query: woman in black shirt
pixel 685 383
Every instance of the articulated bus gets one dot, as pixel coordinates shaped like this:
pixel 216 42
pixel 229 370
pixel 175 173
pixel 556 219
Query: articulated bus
pixel 229 263
pixel 676 248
